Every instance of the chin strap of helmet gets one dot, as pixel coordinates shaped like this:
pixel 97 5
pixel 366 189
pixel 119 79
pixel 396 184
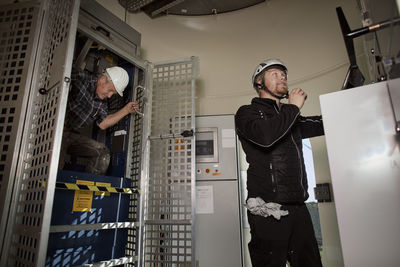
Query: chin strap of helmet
pixel 263 87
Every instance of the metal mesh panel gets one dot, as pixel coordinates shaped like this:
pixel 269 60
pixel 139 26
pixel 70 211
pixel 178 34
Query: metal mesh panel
pixel 168 205
pixel 172 99
pixel 136 143
pixel 134 170
pixel 17 31
pixel 16 36
pixel 169 194
pixel 134 5
pixel 169 245
pixel 28 237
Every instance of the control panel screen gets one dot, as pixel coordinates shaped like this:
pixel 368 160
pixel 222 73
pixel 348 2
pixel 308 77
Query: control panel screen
pixel 206 145
pixel 204 148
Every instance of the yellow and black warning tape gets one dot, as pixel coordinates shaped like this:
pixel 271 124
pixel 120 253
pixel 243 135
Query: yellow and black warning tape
pixel 96 188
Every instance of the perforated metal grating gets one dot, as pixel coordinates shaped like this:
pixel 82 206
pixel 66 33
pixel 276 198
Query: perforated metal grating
pixel 168 208
pixel 134 5
pixel 15 35
pixel 28 237
pixel 17 24
pixel 134 171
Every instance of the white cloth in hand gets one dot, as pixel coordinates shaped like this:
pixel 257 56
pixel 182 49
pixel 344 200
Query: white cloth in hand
pixel 258 206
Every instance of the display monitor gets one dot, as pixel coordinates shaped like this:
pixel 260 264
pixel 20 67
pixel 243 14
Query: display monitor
pixel 207 144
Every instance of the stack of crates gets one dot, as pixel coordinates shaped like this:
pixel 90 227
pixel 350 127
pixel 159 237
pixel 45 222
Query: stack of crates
pixel 72 208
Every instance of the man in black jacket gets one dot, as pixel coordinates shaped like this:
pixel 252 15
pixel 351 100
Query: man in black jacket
pixel 271 135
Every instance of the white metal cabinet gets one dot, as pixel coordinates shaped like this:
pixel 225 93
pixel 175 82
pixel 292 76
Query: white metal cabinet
pixel 364 159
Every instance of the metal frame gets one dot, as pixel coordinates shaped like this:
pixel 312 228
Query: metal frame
pixel 96 10
pixel 30 167
pixel 124 41
pixel 138 157
pixel 25 242
pixel 95 226
pixel 394 94
pixel 115 36
pixel 38 117
pixel 168 193
pixel 14 97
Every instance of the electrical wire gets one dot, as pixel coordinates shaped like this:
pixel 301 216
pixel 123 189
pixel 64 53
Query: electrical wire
pixel 126 9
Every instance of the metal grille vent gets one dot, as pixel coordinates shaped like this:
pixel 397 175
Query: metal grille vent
pixel 168 208
pixel 150 7
pixel 134 171
pixel 15 31
pixel 134 5
pixel 186 7
pixel 25 244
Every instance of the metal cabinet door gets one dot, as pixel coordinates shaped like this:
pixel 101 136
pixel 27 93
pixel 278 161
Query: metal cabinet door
pixel 364 159
pixel 168 196
pixel 36 56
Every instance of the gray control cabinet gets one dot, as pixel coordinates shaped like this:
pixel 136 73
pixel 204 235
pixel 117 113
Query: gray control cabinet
pixel 218 215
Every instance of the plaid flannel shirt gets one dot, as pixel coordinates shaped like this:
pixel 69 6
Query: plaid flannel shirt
pixel 84 106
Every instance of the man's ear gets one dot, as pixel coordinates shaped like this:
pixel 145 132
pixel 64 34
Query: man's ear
pixel 102 79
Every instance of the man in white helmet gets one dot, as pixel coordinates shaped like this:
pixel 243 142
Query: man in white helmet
pixel 271 136
pixel 87 103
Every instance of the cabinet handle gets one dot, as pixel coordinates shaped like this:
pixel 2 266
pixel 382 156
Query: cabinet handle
pixel 102 30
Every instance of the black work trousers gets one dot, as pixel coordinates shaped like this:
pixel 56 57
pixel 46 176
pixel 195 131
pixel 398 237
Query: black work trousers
pixel 292 238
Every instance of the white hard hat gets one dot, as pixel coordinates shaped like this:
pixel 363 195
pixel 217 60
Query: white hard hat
pixel 267 64
pixel 119 77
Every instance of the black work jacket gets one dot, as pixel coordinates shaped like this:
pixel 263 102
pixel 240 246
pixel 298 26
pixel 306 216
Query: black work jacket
pixel 271 137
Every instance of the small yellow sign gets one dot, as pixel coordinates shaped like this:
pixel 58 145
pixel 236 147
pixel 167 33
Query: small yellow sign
pixel 102 193
pixel 83 199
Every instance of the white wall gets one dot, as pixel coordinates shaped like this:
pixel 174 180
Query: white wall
pixel 304 34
